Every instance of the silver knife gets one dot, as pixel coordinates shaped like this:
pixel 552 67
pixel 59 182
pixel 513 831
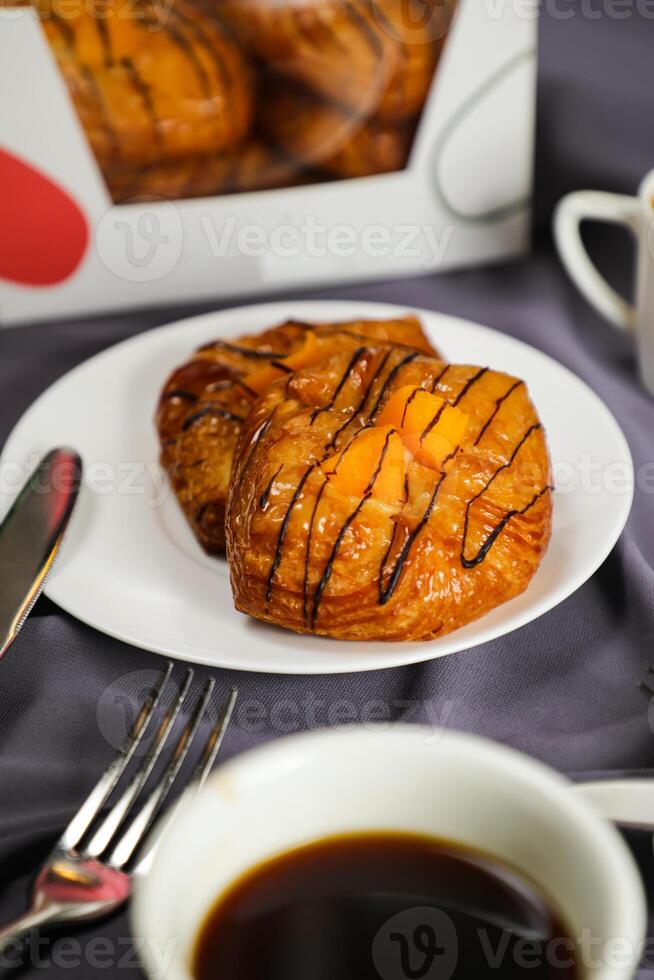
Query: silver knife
pixel 31 534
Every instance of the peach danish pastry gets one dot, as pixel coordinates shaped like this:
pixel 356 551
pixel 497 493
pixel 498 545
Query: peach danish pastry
pixel 387 495
pixel 336 48
pixel 150 88
pixel 206 402
pixel 369 56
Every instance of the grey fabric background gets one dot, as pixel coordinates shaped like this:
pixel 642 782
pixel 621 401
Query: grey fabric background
pixel 564 688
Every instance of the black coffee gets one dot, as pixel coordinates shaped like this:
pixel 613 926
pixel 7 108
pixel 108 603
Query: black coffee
pixel 383 907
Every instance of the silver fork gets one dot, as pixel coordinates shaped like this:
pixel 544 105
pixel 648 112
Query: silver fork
pixel 86 874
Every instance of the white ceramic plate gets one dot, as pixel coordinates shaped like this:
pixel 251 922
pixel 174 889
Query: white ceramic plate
pixel 131 567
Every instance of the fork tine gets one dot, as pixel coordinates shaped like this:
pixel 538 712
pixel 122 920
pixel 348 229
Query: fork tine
pixel 202 770
pixel 103 835
pixel 103 788
pixel 214 741
pixel 125 847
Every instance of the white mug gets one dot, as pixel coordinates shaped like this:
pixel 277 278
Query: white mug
pixel 414 779
pixel 636 214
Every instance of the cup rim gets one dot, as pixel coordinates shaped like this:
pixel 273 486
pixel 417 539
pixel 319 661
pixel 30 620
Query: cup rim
pixel 630 913
pixel 646 190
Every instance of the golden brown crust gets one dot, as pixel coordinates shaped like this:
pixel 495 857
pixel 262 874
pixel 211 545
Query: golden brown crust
pixel 315 133
pixel 468 534
pixel 420 31
pixel 253 166
pixel 205 402
pixel 306 128
pixel 369 56
pixel 377 148
pixel 335 48
pixel 150 87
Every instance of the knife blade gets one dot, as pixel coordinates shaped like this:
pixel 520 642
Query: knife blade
pixel 31 535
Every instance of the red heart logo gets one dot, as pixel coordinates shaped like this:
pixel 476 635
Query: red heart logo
pixel 43 232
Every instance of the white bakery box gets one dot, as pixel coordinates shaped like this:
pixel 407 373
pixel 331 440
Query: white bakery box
pixel 463 199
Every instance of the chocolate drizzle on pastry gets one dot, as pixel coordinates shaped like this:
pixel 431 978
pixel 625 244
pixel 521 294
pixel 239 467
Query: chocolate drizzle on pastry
pixel 258 436
pixel 327 572
pixel 469 383
pixel 407 403
pixel 389 381
pixel 354 360
pixel 264 355
pixel 490 540
pixel 210 410
pixel 143 90
pixel 263 500
pixel 187 396
pixel 177 37
pixel 497 530
pixel 464 391
pixel 359 408
pixel 230 383
pixel 284 528
pixel 498 404
pixel 204 41
pixel 437 379
pixel 307 556
pixel 386 592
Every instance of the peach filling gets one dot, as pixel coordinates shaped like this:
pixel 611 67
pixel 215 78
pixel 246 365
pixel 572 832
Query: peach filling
pixel 373 462
pixel 306 355
pixel 430 428
pixel 414 422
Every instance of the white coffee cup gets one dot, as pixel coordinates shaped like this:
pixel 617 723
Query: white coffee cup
pixel 423 780
pixel 636 214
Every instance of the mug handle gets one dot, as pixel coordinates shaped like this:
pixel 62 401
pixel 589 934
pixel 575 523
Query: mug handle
pixel 595 206
pixel 626 802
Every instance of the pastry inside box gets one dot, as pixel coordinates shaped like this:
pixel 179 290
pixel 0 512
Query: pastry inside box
pixel 205 97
